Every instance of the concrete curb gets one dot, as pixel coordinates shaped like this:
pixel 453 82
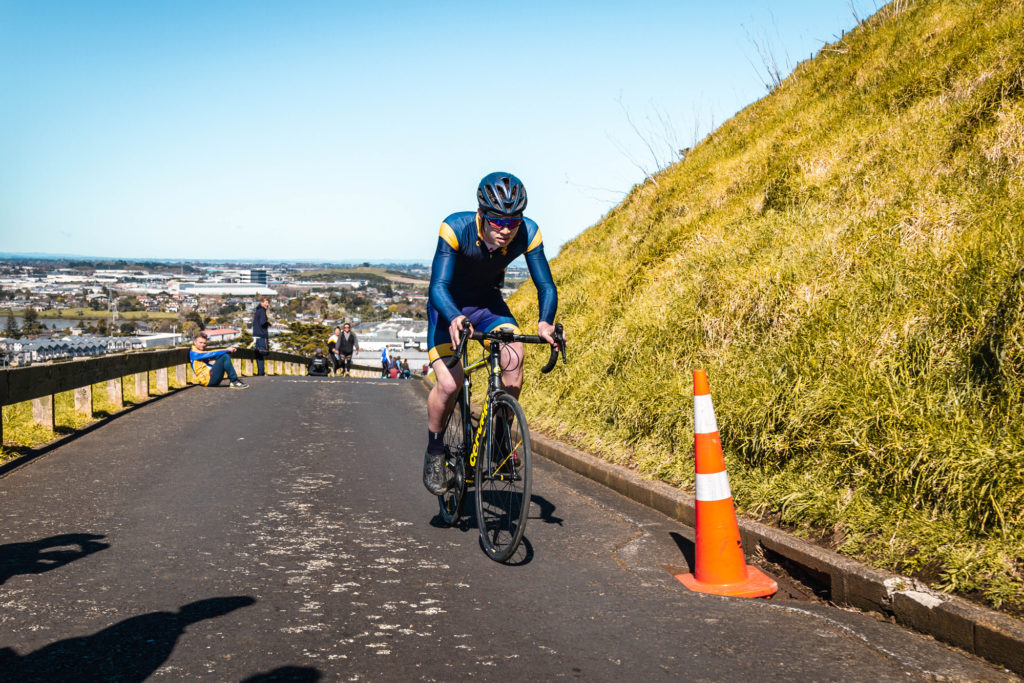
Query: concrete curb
pixel 953 620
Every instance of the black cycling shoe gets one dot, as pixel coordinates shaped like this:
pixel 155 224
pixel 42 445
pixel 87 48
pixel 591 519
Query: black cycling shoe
pixel 436 476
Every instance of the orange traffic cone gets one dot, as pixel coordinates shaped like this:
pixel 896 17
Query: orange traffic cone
pixel 719 566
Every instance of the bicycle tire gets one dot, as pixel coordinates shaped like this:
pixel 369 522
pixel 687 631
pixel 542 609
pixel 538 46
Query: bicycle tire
pixel 503 483
pixel 456 456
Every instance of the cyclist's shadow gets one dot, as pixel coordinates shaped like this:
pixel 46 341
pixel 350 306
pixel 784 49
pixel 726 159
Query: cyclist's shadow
pixel 523 554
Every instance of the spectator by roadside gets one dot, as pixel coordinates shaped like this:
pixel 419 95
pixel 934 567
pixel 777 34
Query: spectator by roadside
pixel 384 362
pixel 332 350
pixel 261 333
pixel 405 371
pixel 348 343
pixel 319 365
pixel 211 366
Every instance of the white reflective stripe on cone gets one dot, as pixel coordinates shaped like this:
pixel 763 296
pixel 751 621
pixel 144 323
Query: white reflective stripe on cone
pixel 712 487
pixel 704 415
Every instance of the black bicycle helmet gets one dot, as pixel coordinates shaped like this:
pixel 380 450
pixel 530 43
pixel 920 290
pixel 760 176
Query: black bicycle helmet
pixel 501 194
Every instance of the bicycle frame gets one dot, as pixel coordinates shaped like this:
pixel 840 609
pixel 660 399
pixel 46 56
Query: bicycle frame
pixel 502 489
pixel 493 385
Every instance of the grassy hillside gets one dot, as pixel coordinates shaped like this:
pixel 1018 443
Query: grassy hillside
pixel 846 259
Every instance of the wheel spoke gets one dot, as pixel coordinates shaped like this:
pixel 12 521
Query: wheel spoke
pixel 503 480
pixel 451 501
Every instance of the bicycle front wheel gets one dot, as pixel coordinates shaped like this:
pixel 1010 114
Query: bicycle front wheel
pixel 456 456
pixel 503 482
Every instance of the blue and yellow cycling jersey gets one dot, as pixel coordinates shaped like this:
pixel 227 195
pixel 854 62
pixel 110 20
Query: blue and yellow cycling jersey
pixel 202 361
pixel 466 272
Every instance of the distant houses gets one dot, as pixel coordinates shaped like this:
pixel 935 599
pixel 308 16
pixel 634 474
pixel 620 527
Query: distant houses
pixel 29 351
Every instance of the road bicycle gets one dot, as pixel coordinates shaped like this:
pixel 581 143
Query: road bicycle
pixel 492 457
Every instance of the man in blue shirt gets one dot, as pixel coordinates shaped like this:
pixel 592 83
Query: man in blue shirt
pixel 209 367
pixel 473 250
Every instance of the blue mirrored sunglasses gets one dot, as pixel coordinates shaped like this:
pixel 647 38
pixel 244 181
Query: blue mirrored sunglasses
pixel 510 223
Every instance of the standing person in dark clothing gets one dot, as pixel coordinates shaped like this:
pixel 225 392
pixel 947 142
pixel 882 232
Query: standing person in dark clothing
pixel 261 333
pixel 348 343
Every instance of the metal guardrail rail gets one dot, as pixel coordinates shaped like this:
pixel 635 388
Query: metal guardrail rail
pixel 40 383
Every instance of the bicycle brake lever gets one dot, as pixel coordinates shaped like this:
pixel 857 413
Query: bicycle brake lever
pixel 461 350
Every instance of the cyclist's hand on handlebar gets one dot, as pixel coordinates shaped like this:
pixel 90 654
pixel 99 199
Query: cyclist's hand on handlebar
pixel 455 330
pixel 546 331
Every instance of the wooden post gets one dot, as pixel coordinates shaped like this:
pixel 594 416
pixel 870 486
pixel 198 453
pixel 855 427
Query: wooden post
pixel 141 386
pixel 83 400
pixel 161 380
pixel 179 375
pixel 115 393
pixel 243 368
pixel 42 412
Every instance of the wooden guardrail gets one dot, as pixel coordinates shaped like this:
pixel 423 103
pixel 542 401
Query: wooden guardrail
pixel 39 383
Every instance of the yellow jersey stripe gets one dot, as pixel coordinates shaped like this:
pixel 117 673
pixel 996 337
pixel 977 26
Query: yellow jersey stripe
pixel 536 241
pixel 448 235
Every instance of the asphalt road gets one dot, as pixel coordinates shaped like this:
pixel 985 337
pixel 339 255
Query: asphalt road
pixel 282 533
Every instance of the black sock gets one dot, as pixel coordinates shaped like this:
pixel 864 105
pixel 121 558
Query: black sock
pixel 435 442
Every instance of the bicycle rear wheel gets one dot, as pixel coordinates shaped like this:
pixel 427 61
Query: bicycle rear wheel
pixel 503 481
pixel 455 447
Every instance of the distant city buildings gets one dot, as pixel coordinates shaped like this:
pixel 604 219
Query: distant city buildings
pixel 78 304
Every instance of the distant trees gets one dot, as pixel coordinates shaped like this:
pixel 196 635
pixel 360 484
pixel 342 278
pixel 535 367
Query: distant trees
pixel 129 303
pixel 31 324
pixel 194 317
pixel 11 330
pixel 304 338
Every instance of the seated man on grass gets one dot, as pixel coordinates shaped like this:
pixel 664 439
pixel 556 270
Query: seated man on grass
pixel 211 366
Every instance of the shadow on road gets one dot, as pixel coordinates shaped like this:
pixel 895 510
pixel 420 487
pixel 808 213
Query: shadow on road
pixel 466 521
pixel 36 557
pixel 287 674
pixel 130 650
pixel 547 509
pixel 687 548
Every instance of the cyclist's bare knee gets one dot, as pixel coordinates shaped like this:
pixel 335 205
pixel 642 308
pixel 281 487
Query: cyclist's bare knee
pixel 512 359
pixel 448 380
pixel 512 368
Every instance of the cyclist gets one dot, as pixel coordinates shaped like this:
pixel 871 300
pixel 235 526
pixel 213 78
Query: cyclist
pixel 473 251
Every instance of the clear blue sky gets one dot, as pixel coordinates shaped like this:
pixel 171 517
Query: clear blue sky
pixel 344 131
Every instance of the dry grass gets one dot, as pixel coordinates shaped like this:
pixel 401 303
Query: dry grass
pixel 845 258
